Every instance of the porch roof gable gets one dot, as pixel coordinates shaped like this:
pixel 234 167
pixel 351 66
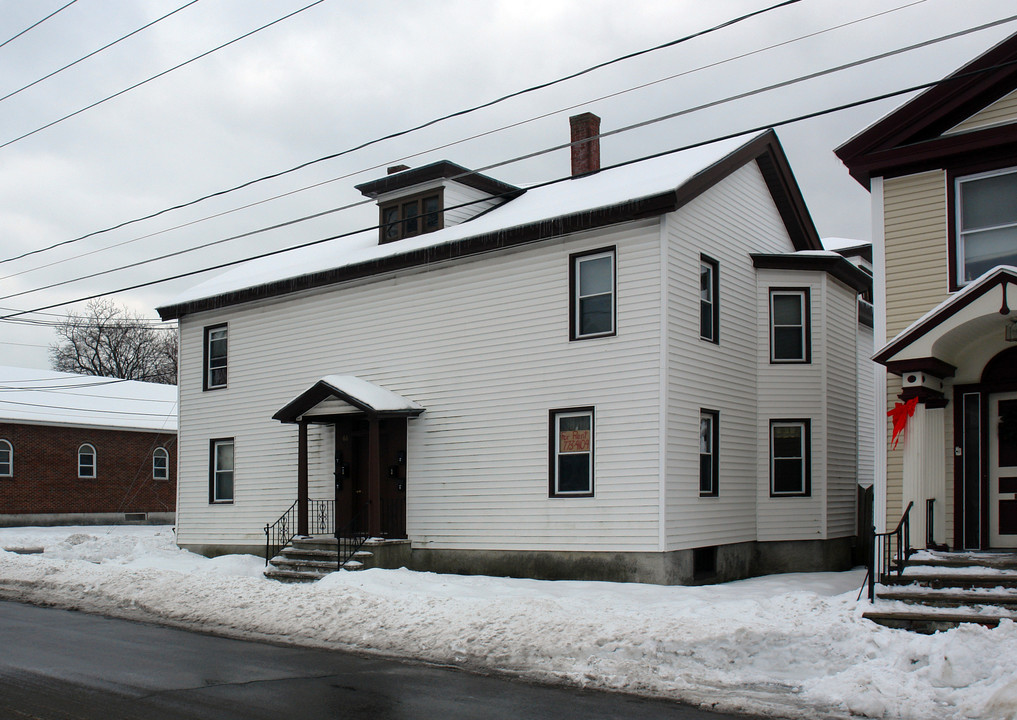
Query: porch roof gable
pixel 361 395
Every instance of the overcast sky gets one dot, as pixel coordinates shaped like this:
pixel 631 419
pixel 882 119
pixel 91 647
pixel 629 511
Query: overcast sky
pixel 342 73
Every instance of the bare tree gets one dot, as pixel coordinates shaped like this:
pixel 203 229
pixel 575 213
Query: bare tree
pixel 111 341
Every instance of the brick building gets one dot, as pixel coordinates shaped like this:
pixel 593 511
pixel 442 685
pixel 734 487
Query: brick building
pixel 78 449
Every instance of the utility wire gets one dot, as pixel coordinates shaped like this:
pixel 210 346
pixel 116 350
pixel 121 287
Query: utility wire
pixel 96 52
pixel 393 135
pixel 88 410
pixel 628 128
pixel 453 143
pixel 729 136
pixel 37 24
pixel 161 74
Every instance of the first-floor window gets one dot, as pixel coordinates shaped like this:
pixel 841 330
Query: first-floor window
pixel 86 461
pixel 160 464
pixel 572 452
pixel 790 457
pixel 708 434
pixel 6 458
pixel 220 470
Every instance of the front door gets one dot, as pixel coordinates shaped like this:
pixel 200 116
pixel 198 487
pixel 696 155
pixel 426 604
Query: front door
pixel 350 475
pixel 1003 470
pixel 352 481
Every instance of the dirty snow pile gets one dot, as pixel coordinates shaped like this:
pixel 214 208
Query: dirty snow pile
pixel 790 645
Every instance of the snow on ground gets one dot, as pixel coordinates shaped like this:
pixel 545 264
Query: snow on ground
pixel 788 645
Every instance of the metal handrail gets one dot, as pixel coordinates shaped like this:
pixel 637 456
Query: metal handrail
pixel 348 540
pixel 320 521
pixel 890 551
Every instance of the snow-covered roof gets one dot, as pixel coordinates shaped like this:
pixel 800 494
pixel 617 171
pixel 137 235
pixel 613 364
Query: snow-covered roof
pixel 358 393
pixel 45 397
pixel 604 189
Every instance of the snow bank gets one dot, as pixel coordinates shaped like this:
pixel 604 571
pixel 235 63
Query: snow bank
pixel 789 645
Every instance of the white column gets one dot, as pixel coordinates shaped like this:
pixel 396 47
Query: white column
pixel 925 472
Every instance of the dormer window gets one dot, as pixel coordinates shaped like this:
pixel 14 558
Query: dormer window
pixel 410 216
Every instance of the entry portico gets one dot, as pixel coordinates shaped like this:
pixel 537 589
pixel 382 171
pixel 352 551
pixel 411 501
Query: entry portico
pixel 370 440
pixel 961 355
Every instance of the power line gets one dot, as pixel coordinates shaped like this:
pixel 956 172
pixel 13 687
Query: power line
pixel 164 72
pixel 400 133
pixel 88 410
pixel 729 136
pixel 95 52
pixel 37 24
pixel 628 128
pixel 450 144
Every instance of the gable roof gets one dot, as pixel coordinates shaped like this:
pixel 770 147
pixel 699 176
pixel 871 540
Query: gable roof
pixel 355 392
pixel 45 397
pixel 614 195
pixel 441 170
pixel 911 139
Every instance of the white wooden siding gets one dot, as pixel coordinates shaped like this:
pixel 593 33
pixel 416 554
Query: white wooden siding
pixel 457 194
pixel 1000 112
pixel 483 346
pixel 840 306
pixel 727 223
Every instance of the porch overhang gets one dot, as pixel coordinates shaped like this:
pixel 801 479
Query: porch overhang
pixel 963 331
pixel 346 395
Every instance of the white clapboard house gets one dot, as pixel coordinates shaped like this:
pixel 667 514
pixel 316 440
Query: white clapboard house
pixel 647 372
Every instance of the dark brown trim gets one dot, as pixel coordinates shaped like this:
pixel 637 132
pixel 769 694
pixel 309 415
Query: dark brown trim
pixel 862 250
pixel 441 170
pixel 302 485
pixel 321 390
pixel 834 265
pixel 926 396
pixel 715 456
pixel 574 259
pixel 211 470
pixel 930 365
pixel 806 294
pixel 807 460
pixel 715 305
pixel 204 357
pixel 552 437
pixel 999 276
pixel 765 149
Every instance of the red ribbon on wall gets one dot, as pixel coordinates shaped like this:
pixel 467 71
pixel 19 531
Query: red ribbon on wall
pixel 900 414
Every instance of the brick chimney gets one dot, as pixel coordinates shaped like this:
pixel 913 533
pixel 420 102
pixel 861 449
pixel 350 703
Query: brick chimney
pixel 393 169
pixel 585 155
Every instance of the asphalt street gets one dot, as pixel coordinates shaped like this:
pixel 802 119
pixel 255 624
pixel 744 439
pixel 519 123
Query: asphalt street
pixel 56 664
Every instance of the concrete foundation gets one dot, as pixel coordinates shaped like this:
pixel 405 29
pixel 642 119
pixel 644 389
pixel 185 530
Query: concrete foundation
pixel 47 520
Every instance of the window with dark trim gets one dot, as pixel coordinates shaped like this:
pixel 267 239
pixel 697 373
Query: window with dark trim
pixel 790 458
pixel 160 464
pixel 6 459
pixel 571 452
pixel 216 357
pixel 789 326
pixel 86 461
pixel 985 217
pixel 220 470
pixel 709 434
pixel 411 216
pixel 592 284
pixel 709 293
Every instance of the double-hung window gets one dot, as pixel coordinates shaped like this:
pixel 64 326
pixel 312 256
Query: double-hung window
pixel 592 294
pixel 86 461
pixel 709 310
pixel 986 217
pixel 216 356
pixel 160 464
pixel 571 452
pixel 709 431
pixel 6 459
pixel 790 451
pixel 220 470
pixel 789 326
pixel 411 216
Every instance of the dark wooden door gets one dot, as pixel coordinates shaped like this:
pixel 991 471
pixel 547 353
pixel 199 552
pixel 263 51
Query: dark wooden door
pixel 392 441
pixel 351 475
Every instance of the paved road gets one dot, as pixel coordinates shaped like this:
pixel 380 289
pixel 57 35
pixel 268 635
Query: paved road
pixel 56 664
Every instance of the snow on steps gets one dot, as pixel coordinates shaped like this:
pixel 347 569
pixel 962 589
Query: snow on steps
pixel 311 558
pixel 939 591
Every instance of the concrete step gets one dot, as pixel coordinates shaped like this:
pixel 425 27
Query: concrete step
pixel 950 598
pixel 299 564
pixel 929 622
pixel 291 576
pixel 997 561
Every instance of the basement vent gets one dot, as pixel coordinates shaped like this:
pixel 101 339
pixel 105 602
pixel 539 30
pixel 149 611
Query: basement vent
pixel 704 563
pixel 135 517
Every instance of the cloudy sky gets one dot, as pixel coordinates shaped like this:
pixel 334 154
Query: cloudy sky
pixel 339 74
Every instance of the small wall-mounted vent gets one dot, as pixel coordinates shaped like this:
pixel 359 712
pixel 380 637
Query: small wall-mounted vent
pixel 135 517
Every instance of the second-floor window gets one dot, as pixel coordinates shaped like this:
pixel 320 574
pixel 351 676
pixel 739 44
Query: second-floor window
pixel 986 230
pixel 709 311
pixel 216 356
pixel 411 216
pixel 593 294
pixel 789 326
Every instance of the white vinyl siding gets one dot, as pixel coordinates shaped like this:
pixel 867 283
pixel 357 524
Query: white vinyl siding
pixel 726 223
pixel 457 194
pixel 484 346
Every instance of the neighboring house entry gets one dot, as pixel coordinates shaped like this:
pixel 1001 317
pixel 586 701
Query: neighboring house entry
pixel 1003 470
pixel 370 452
